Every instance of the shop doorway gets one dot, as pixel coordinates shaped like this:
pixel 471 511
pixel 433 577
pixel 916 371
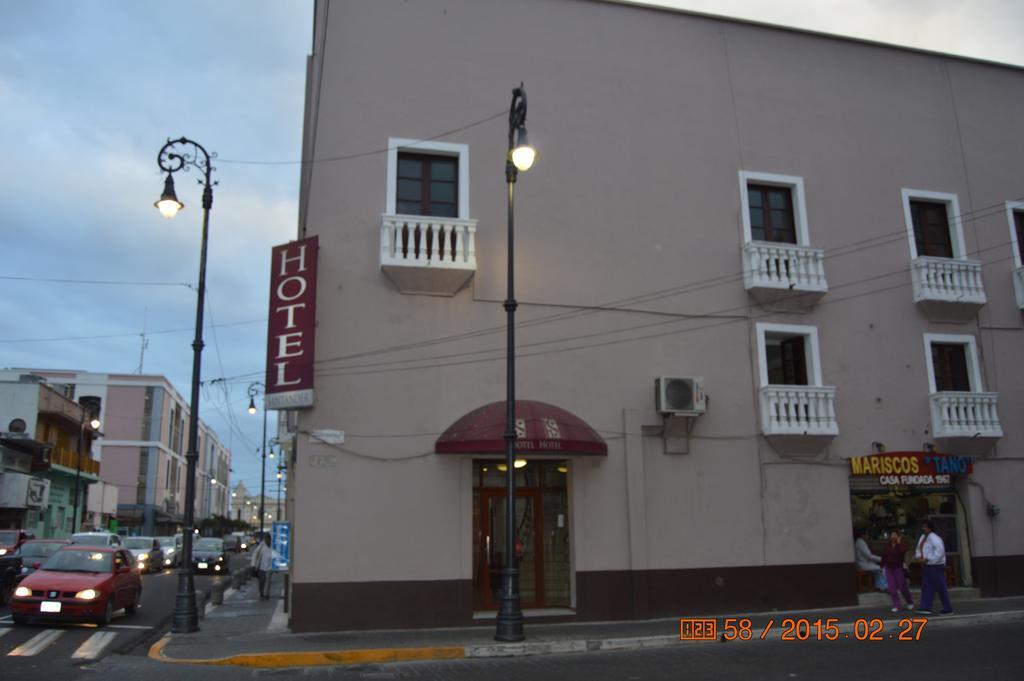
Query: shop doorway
pixel 541 534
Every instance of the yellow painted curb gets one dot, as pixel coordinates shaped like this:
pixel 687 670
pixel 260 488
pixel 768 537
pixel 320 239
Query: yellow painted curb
pixel 310 659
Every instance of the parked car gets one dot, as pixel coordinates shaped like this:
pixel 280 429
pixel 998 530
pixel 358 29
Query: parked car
pixel 12 539
pixel 96 539
pixel 24 561
pixel 79 583
pixel 146 551
pixel 171 549
pixel 208 555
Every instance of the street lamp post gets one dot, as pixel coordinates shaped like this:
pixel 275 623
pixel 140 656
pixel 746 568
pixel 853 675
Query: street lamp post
pixel 520 157
pixel 280 474
pixel 254 389
pixel 175 155
pixel 93 423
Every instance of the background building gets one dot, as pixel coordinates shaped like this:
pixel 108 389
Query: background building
pixel 145 426
pixel 819 237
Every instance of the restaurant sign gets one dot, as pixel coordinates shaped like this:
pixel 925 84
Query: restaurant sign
pixel 291 326
pixel 911 469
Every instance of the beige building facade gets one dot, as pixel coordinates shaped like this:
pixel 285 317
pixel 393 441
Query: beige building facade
pixel 747 258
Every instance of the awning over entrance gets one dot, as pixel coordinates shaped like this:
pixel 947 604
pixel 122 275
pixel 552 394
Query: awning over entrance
pixel 541 428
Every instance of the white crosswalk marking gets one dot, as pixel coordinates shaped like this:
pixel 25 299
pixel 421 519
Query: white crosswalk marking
pixel 94 645
pixel 5 630
pixel 37 643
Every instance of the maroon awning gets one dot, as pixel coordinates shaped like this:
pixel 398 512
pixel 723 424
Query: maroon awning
pixel 541 428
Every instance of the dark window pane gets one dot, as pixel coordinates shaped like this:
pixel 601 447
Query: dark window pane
pixel 757 218
pixel 409 207
pixel 445 210
pixel 409 190
pixel 931 229
pixel 410 167
pixel 778 199
pixel 757 234
pixel 950 364
pixel 1018 217
pixel 754 197
pixel 442 170
pixel 442 191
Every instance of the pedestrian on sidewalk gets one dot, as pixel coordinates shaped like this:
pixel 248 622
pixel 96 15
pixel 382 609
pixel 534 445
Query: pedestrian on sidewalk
pixel 931 551
pixel 893 559
pixel 262 561
pixel 867 561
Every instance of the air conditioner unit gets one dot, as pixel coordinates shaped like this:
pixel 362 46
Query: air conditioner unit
pixel 680 395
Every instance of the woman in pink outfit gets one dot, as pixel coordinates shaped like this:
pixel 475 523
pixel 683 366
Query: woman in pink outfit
pixel 892 562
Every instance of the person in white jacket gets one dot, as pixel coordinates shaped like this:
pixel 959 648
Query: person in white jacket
pixel 867 561
pixel 931 551
pixel 263 560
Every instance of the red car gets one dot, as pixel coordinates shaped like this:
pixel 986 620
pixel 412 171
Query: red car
pixel 83 583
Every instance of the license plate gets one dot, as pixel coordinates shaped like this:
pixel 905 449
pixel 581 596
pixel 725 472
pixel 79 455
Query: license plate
pixel 49 606
pixel 202 566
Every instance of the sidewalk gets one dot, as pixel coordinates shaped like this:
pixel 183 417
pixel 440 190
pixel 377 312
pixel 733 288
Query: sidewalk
pixel 246 631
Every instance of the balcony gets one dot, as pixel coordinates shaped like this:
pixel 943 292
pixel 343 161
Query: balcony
pixel 68 459
pixel 798 419
pixel 1018 286
pixel 966 422
pixel 947 288
pixel 773 272
pixel 428 255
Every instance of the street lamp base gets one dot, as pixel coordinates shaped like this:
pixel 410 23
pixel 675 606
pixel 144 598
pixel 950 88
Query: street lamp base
pixel 510 613
pixel 186 617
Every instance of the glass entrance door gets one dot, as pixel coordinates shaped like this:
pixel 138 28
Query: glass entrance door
pixel 494 509
pixel 541 534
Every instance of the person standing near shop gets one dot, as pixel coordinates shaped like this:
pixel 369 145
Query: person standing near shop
pixel 931 551
pixel 262 562
pixel 867 561
pixel 893 558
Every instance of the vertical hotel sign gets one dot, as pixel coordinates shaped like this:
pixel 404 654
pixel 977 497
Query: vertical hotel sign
pixel 291 329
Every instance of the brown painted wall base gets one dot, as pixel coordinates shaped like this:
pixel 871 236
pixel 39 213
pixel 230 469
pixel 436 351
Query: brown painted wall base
pixel 338 606
pixel 999 575
pixel 604 595
pixel 613 595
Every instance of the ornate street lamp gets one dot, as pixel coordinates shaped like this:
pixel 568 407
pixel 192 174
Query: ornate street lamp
pixel 520 157
pixel 255 388
pixel 183 154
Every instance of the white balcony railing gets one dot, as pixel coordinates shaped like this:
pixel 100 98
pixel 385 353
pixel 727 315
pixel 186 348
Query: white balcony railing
pixel 965 415
pixel 948 280
pixel 771 268
pixel 1018 286
pixel 798 410
pixel 424 254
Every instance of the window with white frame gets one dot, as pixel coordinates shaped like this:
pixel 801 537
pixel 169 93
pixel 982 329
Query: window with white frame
pixel 427 178
pixel 1015 216
pixel 773 208
pixel 952 363
pixel 788 355
pixel 933 224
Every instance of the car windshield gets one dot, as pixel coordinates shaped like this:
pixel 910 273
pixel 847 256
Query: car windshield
pixel 8 538
pixel 90 539
pixel 73 560
pixel 43 549
pixel 209 544
pixel 166 542
pixel 138 543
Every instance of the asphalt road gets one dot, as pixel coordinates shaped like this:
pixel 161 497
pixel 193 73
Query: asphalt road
pixel 45 650
pixel 950 653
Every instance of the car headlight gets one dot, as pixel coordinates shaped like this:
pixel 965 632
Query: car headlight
pixel 243 546
pixel 3 552
pixel 25 570
pixel 220 559
pixel 143 556
pixel 87 594
pixel 23 592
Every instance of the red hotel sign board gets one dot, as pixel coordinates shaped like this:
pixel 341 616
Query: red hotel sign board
pixel 291 329
pixel 911 468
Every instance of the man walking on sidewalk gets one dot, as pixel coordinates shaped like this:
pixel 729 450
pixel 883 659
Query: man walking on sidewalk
pixel 262 562
pixel 932 552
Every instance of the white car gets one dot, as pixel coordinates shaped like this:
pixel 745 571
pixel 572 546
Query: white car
pixel 96 539
pixel 146 552
pixel 172 551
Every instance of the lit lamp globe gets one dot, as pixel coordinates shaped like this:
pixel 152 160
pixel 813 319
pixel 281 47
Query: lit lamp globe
pixel 168 204
pixel 523 155
pixel 95 423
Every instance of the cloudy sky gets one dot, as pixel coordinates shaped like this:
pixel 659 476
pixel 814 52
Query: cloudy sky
pixel 91 89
